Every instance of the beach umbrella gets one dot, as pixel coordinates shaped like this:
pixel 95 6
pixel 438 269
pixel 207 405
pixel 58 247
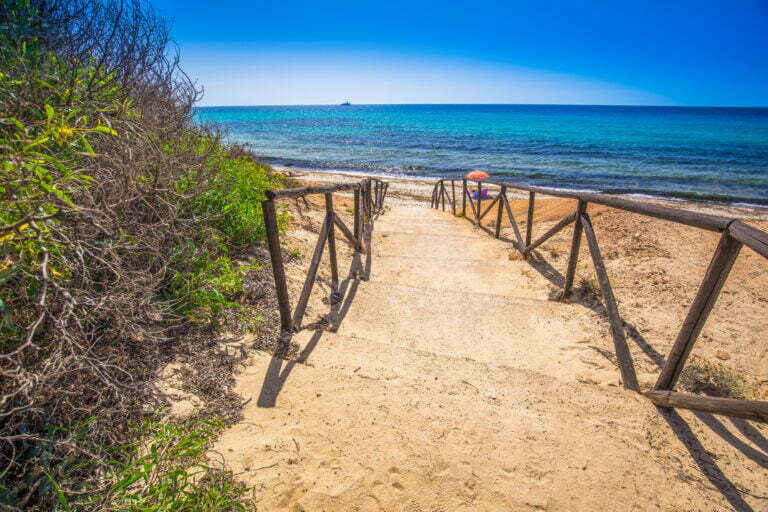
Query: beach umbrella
pixel 477 174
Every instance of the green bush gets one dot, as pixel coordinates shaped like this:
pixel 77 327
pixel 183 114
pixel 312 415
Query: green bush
pixel 204 281
pixel 123 235
pixel 233 201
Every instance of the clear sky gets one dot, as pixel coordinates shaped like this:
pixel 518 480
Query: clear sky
pixel 283 52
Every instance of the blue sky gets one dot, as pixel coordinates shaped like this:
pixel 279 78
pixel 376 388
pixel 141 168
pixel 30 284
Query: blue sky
pixel 574 52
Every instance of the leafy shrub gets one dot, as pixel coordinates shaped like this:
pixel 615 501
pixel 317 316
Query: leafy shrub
pixel 203 282
pixel 233 201
pixel 119 219
pixel 167 470
pixel 164 469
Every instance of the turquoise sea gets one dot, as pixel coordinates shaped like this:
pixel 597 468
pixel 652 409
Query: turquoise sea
pixel 715 154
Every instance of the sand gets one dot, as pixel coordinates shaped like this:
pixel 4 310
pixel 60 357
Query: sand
pixel 454 383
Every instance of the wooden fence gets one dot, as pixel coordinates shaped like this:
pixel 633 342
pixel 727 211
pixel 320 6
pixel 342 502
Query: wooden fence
pixel 733 234
pixel 369 195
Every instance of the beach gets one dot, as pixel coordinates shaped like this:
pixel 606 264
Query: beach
pixel 423 419
pixel 309 257
pixel 420 189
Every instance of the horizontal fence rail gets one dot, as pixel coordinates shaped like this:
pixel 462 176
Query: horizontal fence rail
pixel 733 235
pixel 369 196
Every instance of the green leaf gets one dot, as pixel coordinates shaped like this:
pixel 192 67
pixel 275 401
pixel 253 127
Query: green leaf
pixel 8 273
pixel 49 113
pixel 104 129
pixel 63 502
pixel 58 193
pixel 88 147
pixel 16 122
pixel 51 160
pixel 36 142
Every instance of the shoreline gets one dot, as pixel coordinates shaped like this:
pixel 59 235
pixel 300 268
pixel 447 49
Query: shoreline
pixel 420 188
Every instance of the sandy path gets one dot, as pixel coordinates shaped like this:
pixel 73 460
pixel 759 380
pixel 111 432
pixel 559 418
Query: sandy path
pixel 453 384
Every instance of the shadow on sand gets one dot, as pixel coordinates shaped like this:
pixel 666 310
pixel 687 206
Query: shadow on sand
pixel 280 369
pixel 707 465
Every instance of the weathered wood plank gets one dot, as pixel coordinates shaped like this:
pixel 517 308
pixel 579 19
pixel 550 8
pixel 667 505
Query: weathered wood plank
pixel 502 194
pixel 353 240
pixel 468 195
pixel 750 236
pixel 303 191
pixel 550 233
pixel 575 245
pixel 529 222
pixel 278 271
pixel 747 409
pixel 479 202
pixel 332 245
pixel 306 290
pixel 453 197
pixel 623 355
pixel 442 194
pixel 464 198
pixel 358 217
pixel 490 207
pixel 513 222
pixel 717 272
pixel 696 219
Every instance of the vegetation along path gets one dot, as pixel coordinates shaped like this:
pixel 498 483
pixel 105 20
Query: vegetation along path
pixel 454 383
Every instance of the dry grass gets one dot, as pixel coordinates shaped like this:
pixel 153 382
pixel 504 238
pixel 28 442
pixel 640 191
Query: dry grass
pixel 715 379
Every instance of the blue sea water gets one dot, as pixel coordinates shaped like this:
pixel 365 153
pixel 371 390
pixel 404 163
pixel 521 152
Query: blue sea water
pixel 717 154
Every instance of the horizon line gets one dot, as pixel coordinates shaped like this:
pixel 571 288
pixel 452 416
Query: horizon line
pixel 483 104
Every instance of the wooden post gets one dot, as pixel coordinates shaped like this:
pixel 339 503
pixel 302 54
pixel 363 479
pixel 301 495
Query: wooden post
pixel 550 232
pixel 442 193
pixel 575 244
pixel 490 207
pixel 502 194
pixel 472 205
pixel 529 223
pixel 623 355
pixel 479 202
pixel 513 222
pixel 345 231
pixel 453 197
pixel 332 246
pixel 722 261
pixel 281 287
pixel 748 409
pixel 356 227
pixel 306 290
pixel 751 237
pixel 369 200
pixel 464 198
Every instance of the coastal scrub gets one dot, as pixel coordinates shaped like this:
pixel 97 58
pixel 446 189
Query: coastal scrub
pixel 125 231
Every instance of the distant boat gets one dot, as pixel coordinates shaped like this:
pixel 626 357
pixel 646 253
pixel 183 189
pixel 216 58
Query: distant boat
pixel 346 104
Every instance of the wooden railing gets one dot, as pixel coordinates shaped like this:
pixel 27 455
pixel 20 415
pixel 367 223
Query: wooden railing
pixel 369 195
pixel 734 234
